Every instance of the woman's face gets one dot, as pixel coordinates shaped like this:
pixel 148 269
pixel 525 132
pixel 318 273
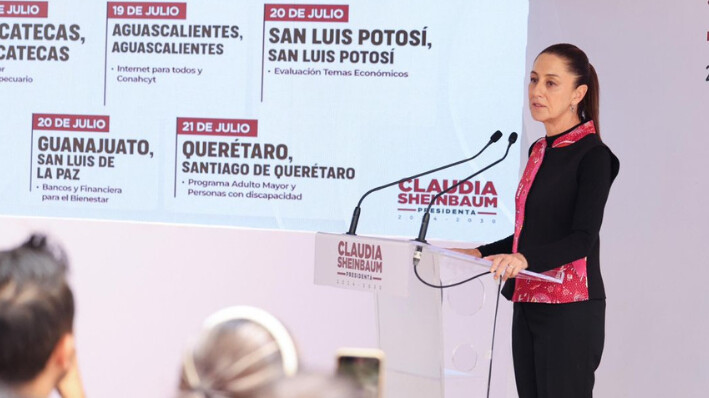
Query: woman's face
pixel 553 92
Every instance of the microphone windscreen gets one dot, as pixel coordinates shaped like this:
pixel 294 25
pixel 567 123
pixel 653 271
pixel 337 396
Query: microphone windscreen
pixel 496 136
pixel 513 138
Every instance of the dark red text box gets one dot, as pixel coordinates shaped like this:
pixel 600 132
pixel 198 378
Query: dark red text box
pixel 130 10
pixel 307 12
pixel 55 122
pixel 24 9
pixel 217 127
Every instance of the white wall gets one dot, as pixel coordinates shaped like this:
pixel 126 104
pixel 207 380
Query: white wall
pixel 138 310
pixel 143 290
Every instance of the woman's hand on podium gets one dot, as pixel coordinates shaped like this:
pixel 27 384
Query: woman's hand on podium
pixel 469 252
pixel 507 265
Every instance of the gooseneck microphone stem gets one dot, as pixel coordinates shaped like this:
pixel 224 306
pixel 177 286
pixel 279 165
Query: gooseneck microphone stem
pixel 355 215
pixel 426 216
pixel 424 223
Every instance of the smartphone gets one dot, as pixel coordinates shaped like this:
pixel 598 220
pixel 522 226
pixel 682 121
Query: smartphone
pixel 364 366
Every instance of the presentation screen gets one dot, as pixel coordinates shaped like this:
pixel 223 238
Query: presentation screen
pixel 264 115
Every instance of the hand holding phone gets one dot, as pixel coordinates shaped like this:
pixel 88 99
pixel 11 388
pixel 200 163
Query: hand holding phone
pixel 363 366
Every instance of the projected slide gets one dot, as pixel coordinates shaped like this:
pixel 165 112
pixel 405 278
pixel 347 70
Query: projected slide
pixel 265 115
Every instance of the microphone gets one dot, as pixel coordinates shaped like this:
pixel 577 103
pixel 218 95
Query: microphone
pixel 355 215
pixel 427 215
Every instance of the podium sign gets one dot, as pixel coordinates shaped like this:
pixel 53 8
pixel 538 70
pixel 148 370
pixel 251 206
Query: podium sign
pixel 363 263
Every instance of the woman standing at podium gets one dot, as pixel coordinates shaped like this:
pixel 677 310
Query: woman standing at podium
pixel 558 329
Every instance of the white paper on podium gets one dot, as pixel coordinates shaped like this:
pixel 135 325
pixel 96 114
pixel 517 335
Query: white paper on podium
pixel 480 264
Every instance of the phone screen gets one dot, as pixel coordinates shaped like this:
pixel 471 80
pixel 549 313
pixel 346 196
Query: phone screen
pixel 364 371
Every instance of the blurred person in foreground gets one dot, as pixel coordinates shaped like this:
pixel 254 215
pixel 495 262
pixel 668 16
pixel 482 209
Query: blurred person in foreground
pixel 242 352
pixel 37 349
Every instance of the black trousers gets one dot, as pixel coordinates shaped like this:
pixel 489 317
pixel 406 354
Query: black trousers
pixel 557 348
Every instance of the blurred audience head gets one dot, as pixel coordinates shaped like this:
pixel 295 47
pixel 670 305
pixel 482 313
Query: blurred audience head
pixel 36 318
pixel 314 386
pixel 242 351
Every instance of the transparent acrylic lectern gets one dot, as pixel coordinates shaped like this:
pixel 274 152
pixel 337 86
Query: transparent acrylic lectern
pixel 437 342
